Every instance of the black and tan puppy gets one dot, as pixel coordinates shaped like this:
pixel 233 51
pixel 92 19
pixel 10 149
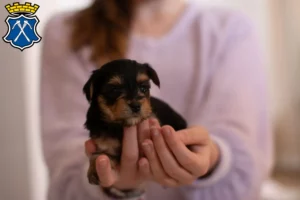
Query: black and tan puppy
pixel 119 95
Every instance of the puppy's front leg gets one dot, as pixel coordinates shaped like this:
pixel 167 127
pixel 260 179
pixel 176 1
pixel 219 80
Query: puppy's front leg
pixel 92 172
pixel 105 146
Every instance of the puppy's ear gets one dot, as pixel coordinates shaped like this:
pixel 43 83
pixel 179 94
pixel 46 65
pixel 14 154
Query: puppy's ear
pixel 88 89
pixel 152 74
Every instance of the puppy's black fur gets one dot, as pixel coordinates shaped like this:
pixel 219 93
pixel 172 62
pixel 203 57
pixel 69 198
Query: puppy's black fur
pixel 119 95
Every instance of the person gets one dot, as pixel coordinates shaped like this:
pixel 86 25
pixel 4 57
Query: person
pixel 211 70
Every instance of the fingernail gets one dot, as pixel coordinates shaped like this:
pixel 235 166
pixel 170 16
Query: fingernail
pixel 102 163
pixel 129 128
pixel 146 147
pixel 166 131
pixel 155 132
pixel 143 163
pixel 152 121
pixel 145 122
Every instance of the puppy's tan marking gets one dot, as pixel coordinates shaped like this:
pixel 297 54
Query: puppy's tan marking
pixel 92 171
pixel 91 90
pixel 109 116
pixel 107 145
pixel 146 109
pixel 115 80
pixel 133 121
pixel 119 109
pixel 142 77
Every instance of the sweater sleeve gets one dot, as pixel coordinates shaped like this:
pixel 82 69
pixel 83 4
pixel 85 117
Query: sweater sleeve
pixel 234 111
pixel 63 109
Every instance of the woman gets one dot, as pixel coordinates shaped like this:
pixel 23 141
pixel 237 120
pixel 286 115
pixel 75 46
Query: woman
pixel 211 72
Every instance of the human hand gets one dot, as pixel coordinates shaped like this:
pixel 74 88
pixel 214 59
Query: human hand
pixel 171 162
pixel 127 175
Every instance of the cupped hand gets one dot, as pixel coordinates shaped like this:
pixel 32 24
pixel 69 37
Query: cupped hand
pixel 177 158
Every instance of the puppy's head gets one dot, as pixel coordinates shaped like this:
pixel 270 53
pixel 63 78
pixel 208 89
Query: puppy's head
pixel 121 90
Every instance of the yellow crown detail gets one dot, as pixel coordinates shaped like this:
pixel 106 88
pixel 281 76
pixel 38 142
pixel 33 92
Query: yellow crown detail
pixel 17 8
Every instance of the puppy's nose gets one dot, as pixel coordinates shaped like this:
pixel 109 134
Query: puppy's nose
pixel 135 107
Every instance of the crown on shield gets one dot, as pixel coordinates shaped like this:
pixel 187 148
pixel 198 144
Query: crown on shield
pixel 26 8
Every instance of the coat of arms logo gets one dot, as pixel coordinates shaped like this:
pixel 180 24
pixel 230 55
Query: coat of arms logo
pixel 22 24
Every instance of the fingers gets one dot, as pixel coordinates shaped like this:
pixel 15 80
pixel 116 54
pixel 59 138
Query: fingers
pixel 144 131
pixel 144 128
pixel 105 173
pixel 187 159
pixel 90 147
pixel 153 122
pixel 130 151
pixel 143 134
pixel 169 163
pixel 156 167
pixel 194 136
pixel 144 168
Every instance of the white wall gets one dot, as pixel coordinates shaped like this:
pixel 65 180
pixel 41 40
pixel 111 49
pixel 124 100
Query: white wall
pixel 23 172
pixel 38 171
pixel 13 142
pixel 288 73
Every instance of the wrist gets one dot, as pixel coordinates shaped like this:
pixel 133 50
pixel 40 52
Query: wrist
pixel 131 194
pixel 215 155
pixel 213 161
pixel 125 192
pixel 125 185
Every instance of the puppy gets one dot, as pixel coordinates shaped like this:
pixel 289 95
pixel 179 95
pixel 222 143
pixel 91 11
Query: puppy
pixel 119 95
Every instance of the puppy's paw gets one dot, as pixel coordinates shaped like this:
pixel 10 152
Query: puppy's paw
pixel 93 178
pixel 92 172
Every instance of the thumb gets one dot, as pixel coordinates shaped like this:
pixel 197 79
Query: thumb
pixel 107 176
pixel 90 147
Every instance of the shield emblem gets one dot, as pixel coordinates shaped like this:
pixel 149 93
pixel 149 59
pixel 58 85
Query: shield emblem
pixel 22 32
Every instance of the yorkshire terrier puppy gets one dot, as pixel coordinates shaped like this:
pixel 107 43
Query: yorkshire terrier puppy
pixel 119 95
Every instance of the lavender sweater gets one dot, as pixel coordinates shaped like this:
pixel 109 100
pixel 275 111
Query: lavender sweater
pixel 211 72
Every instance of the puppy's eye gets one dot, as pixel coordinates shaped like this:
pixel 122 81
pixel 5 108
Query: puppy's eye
pixel 144 88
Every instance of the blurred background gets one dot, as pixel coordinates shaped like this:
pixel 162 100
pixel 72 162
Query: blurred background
pixel 22 171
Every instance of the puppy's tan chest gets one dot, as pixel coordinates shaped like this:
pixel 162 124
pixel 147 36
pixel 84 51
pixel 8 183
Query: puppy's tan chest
pixel 108 145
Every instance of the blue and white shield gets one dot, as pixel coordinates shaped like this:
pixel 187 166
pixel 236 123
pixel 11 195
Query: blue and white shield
pixel 22 32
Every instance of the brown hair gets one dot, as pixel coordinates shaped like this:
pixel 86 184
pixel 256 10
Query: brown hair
pixel 104 27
